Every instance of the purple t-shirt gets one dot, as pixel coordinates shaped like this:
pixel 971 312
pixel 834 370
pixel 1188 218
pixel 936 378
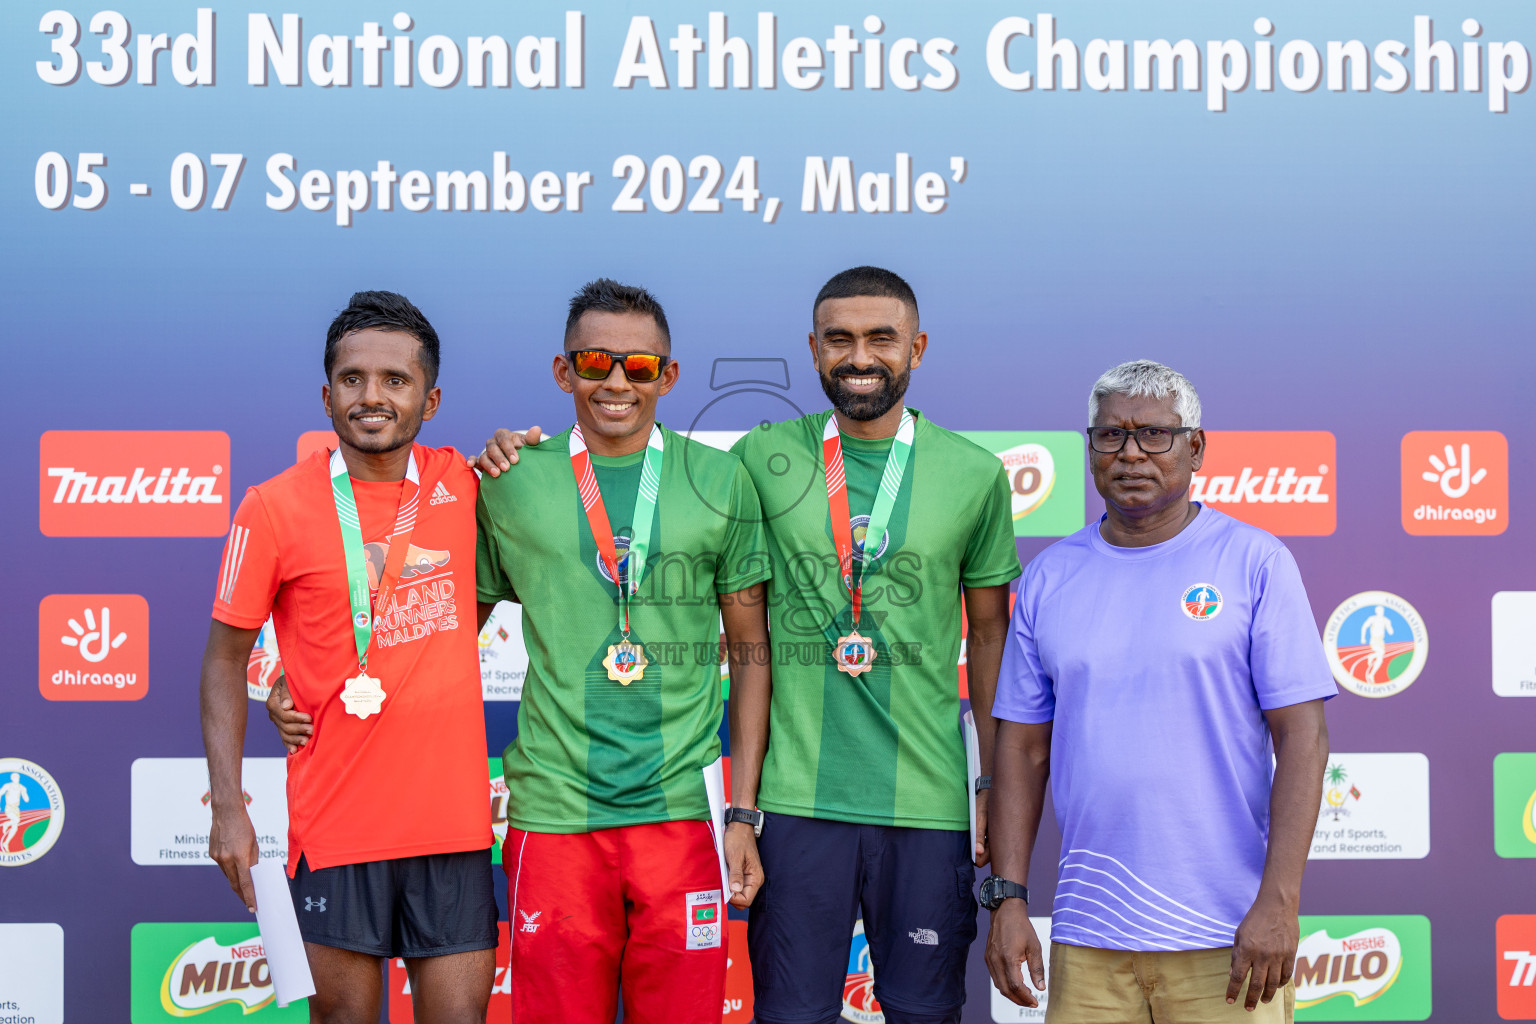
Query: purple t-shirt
pixel 1155 665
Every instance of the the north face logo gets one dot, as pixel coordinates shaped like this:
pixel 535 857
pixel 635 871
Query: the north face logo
pixel 925 937
pixel 315 904
pixel 441 495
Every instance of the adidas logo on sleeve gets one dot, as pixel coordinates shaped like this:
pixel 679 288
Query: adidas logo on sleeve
pixel 441 495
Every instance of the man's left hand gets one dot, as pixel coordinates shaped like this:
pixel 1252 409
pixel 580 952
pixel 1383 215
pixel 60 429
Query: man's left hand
pixel 742 863
pixel 501 450
pixel 1265 945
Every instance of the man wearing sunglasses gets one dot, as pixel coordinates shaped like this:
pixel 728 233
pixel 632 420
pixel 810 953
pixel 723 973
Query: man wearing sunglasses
pixel 882 526
pixel 627 545
pixel 1158 663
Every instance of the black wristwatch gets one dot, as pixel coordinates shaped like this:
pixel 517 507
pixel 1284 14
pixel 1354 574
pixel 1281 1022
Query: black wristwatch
pixel 751 816
pixel 994 890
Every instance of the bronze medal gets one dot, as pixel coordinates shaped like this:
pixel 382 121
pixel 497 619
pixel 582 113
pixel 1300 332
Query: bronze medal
pixel 854 653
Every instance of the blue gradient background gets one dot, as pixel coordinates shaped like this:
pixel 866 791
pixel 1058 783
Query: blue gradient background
pixel 1345 262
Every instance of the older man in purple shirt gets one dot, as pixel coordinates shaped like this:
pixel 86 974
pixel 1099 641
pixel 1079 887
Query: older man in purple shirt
pixel 1164 670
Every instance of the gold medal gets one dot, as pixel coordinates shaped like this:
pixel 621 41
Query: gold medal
pixel 854 653
pixel 363 696
pixel 626 662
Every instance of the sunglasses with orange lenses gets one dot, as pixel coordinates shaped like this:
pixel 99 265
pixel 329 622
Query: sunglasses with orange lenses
pixel 597 364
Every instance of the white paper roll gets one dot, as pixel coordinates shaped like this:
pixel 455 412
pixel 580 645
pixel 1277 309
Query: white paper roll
pixel 280 938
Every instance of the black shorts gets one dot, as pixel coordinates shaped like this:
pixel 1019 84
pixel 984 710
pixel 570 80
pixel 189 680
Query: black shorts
pixel 431 905
pixel 912 886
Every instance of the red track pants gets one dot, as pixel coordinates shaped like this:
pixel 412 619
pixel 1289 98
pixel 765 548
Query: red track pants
pixel 641 903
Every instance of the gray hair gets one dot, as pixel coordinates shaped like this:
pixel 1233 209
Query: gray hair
pixel 1144 378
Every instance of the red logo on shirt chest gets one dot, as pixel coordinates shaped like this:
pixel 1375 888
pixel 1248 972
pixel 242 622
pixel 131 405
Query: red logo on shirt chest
pixel 418 561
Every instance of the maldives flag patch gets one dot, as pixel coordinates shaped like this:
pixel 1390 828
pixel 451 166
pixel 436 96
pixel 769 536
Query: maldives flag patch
pixel 705 920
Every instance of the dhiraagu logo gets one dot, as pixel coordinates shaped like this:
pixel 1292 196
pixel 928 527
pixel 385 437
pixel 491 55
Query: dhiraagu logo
pixel 1363 968
pixel 1045 475
pixel 1514 805
pixel 216 971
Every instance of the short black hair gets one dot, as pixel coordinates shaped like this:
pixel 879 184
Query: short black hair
pixel 858 282
pixel 605 295
pixel 392 312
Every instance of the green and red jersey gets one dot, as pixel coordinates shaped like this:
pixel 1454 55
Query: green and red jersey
pixel 592 753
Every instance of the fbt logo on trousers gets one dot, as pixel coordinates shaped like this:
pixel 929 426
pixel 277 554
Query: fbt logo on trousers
pixel 1515 961
pixel 1455 482
pixel 93 646
pixel 133 483
pixel 1278 480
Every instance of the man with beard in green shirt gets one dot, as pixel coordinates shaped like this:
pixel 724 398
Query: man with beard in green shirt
pixel 865 779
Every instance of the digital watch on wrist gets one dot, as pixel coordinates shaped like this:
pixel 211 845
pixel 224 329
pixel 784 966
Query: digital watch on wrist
pixel 752 816
pixel 994 890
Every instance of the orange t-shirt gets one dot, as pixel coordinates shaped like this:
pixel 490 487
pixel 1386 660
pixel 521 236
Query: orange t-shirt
pixel 411 779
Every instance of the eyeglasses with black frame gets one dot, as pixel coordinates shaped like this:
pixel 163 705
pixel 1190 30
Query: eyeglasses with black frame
pixel 597 364
pixel 1152 440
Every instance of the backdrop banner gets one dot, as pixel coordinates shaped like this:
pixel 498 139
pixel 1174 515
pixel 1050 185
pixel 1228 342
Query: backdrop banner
pixel 1321 213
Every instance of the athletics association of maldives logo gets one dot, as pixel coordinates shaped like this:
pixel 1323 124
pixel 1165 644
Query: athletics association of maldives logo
pixel 1201 601
pixel 858 526
pixel 621 553
pixel 859 1002
pixel 31 812
pixel 133 483
pixel 1376 644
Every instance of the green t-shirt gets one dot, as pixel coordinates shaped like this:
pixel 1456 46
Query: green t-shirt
pixel 885 747
pixel 591 753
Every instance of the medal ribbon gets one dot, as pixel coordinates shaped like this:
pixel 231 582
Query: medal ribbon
pixel 363 610
pixel 879 516
pixel 597 516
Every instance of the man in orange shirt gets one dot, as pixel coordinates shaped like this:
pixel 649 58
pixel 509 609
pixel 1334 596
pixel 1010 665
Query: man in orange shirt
pixel 365 559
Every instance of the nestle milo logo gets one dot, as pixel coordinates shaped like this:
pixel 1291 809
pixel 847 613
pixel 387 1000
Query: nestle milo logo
pixel 217 971
pixel 1363 968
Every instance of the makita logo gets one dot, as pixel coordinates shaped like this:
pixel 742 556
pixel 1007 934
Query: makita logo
pixel 133 483
pixel 144 488
pixel 1284 486
pixel 1282 481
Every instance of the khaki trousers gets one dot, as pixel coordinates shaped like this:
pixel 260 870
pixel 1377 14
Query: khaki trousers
pixel 1115 986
